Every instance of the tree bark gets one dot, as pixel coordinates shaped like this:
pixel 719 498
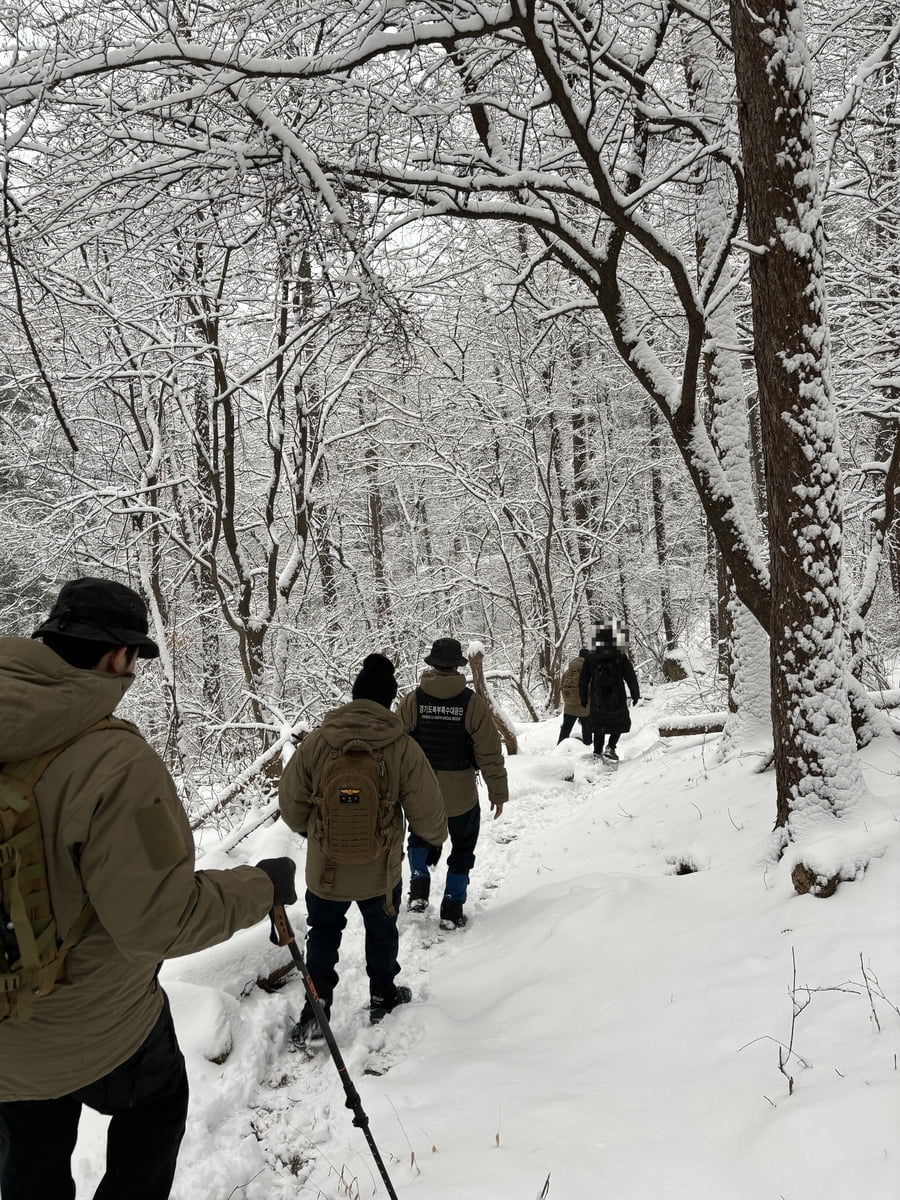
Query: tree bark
pixel 814 747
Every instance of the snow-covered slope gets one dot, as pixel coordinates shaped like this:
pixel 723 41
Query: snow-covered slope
pixel 604 1020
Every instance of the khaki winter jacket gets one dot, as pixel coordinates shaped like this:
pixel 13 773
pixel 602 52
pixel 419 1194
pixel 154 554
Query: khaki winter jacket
pixel 115 833
pixel 458 787
pixel 573 673
pixel 410 780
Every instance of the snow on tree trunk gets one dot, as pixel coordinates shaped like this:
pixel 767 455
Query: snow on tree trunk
pixel 815 754
pixel 750 698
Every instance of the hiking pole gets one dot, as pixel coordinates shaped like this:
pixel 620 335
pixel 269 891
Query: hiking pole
pixel 283 935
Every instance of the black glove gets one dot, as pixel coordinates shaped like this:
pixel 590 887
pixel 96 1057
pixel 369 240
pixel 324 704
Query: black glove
pixel 433 857
pixel 281 871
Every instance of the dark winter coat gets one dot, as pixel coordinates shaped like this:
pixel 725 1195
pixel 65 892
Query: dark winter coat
pixel 115 834
pixel 459 788
pixel 609 714
pixel 410 780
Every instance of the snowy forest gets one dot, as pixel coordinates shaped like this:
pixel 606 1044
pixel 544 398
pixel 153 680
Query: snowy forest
pixel 340 327
pixel 347 326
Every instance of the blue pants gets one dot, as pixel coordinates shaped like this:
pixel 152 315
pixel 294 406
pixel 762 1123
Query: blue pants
pixel 147 1097
pixel 327 920
pixel 464 830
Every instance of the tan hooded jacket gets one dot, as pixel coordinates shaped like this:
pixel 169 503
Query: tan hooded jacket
pixel 115 834
pixel 411 784
pixel 459 788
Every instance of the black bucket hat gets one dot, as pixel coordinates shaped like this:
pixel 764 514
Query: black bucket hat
pixel 446 654
pixel 100 610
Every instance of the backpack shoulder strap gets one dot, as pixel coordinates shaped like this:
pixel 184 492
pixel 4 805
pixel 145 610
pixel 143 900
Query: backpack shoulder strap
pixel 18 781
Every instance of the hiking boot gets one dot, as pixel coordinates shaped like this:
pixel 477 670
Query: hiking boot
pixel 308 1032
pixel 452 916
pixel 610 753
pixel 419 887
pixel 380 1006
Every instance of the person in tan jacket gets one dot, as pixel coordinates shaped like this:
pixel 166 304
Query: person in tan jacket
pixel 115 837
pixel 411 792
pixel 454 727
pixel 572 706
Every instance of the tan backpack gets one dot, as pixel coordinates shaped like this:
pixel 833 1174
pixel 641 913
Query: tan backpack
pixel 355 811
pixel 569 683
pixel 32 958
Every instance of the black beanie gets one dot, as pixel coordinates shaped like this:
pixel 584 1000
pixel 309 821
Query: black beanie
pixel 376 681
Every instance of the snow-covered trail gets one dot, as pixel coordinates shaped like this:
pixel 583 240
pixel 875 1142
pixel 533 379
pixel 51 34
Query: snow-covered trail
pixel 604 1019
pixel 272 1122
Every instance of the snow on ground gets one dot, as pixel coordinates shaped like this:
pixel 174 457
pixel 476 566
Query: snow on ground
pixel 604 1021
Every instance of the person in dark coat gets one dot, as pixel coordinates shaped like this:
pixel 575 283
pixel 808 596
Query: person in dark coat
pixel 606 673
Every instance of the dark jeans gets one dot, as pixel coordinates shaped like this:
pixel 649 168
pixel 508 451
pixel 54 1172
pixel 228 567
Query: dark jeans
pixel 568 723
pixel 147 1098
pixel 463 830
pixel 327 920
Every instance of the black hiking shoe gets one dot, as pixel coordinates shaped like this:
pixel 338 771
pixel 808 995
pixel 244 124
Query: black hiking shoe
pixel 380 1006
pixel 610 753
pixel 308 1032
pixel 452 915
pixel 419 889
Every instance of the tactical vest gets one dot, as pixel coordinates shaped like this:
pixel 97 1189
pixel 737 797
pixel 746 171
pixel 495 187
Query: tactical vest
pixel 441 730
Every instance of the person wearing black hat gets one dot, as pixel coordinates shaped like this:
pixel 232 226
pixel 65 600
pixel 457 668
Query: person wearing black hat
pixel 454 727
pixel 119 858
pixel 359 755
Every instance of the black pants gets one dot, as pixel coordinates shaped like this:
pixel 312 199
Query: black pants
pixel 147 1098
pixel 599 735
pixel 568 723
pixel 327 920
pixel 463 831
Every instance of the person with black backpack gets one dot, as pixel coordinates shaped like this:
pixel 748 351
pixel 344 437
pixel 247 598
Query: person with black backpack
pixel 454 727
pixel 347 789
pixel 606 673
pixel 573 709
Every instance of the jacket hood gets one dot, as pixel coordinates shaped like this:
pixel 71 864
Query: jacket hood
pixel 442 684
pixel 363 720
pixel 44 701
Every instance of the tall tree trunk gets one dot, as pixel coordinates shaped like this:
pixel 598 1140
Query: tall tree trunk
pixel 815 753
pixel 746 644
pixel 659 530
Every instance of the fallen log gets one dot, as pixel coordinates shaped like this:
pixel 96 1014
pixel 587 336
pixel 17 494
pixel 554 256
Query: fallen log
pixel 696 723
pixel 714 722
